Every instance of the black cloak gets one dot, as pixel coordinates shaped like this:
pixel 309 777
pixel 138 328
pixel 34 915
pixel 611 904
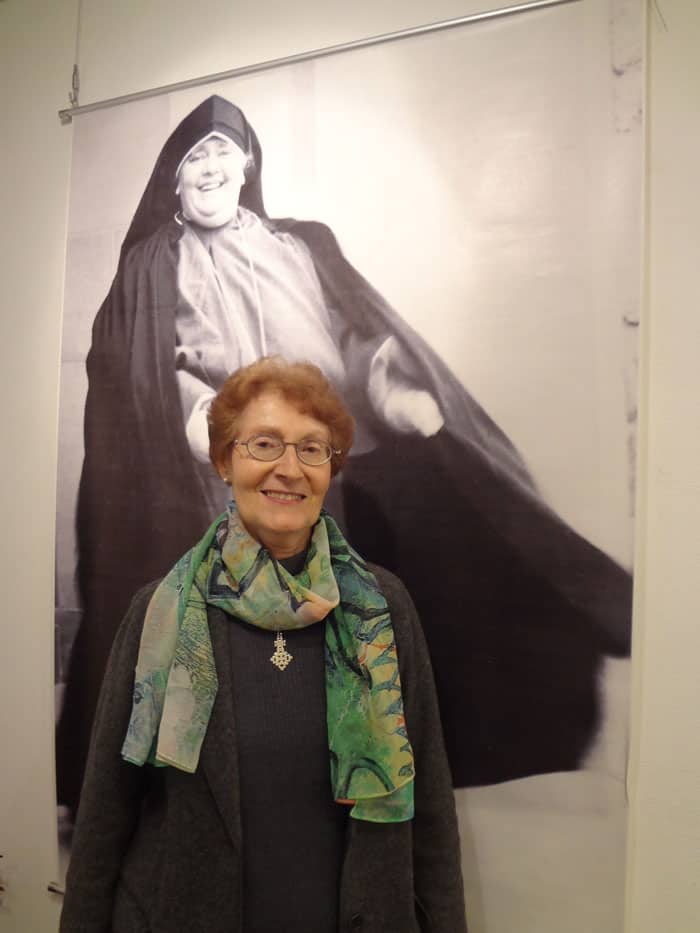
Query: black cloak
pixel 518 609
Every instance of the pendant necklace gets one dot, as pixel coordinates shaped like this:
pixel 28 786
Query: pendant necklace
pixel 281 657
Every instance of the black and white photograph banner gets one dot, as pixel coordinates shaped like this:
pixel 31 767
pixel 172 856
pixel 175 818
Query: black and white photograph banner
pixel 449 226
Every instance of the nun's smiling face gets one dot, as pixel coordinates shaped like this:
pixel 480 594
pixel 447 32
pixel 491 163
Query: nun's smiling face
pixel 209 181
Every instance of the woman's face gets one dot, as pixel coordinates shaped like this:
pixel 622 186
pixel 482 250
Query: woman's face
pixel 210 180
pixel 279 502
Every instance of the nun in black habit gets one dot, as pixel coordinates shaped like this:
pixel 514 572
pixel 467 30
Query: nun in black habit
pixel 518 608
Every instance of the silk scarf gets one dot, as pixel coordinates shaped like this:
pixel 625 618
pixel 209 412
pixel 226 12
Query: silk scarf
pixel 371 759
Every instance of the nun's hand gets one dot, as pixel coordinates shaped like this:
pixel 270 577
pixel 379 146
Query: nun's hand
pixel 401 406
pixel 410 410
pixel 197 429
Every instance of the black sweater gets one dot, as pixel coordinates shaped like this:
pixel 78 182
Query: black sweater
pixel 161 850
pixel 293 831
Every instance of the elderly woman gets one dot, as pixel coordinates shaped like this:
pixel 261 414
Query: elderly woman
pixel 518 608
pixel 276 761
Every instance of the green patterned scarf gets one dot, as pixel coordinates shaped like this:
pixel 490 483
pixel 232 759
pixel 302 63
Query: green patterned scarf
pixel 371 760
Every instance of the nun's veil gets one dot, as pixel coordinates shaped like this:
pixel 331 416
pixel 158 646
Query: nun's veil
pixel 159 202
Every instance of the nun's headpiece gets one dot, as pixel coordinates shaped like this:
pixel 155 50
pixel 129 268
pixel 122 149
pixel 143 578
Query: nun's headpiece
pixel 213 116
pixel 159 201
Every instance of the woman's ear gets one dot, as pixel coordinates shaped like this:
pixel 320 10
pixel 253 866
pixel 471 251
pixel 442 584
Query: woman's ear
pixel 223 468
pixel 223 471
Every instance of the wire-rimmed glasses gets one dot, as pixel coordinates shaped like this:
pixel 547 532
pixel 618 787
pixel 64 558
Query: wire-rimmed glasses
pixel 269 447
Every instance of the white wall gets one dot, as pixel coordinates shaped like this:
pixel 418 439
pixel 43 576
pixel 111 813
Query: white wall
pixel 36 51
pixel 664 864
pixel 132 45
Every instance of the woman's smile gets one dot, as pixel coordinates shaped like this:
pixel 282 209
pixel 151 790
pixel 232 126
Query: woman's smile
pixel 286 497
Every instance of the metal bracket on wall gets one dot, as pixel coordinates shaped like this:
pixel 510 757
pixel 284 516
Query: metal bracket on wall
pixel 74 88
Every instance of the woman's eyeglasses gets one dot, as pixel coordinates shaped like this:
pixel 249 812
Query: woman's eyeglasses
pixel 268 447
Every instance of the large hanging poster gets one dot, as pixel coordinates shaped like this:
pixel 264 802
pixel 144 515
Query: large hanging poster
pixel 459 216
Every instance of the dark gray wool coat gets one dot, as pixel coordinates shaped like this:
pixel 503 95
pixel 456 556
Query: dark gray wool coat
pixel 159 851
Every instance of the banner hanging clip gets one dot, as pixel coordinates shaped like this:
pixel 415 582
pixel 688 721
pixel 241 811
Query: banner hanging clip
pixel 75 87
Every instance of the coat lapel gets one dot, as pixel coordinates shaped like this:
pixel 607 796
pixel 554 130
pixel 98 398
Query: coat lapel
pixel 219 759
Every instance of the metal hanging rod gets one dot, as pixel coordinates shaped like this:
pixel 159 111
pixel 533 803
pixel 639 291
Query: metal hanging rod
pixel 67 115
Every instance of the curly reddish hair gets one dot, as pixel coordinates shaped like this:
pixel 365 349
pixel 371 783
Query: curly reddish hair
pixel 302 384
